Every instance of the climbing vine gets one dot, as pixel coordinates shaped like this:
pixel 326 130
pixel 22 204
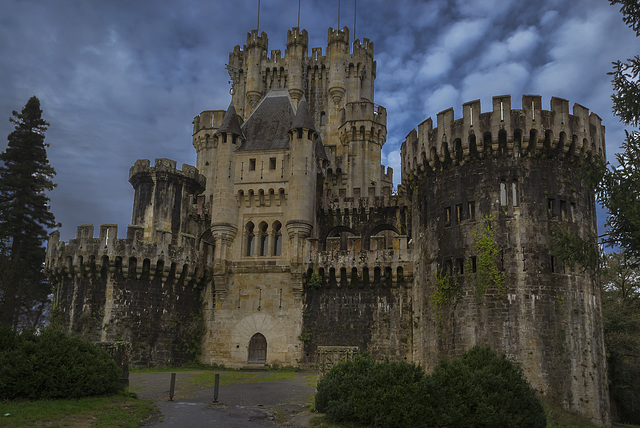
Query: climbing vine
pixel 488 252
pixel 314 281
pixel 447 288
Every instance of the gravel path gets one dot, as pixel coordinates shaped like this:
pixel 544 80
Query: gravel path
pixel 255 404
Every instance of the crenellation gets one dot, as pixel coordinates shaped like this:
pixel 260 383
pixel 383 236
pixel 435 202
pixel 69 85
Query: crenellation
pixel 524 130
pixel 108 248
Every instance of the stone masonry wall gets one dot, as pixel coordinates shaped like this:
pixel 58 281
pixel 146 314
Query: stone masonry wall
pixel 547 316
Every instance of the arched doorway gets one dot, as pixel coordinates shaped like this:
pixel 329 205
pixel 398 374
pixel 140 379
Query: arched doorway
pixel 257 349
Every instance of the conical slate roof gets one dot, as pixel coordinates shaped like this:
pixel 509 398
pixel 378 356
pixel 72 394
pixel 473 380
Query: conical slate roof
pixel 303 118
pixel 319 148
pixel 230 123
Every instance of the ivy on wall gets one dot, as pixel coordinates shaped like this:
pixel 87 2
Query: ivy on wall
pixel 447 288
pixel 487 252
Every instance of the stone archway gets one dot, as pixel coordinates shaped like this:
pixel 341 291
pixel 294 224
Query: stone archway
pixel 270 328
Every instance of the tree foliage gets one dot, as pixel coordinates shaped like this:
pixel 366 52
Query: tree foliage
pixel 25 176
pixel 621 313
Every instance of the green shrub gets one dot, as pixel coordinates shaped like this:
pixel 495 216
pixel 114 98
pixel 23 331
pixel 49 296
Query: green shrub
pixel 481 389
pixel 53 364
pixel 368 392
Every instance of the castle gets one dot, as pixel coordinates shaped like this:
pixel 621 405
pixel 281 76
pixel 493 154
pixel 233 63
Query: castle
pixel 288 235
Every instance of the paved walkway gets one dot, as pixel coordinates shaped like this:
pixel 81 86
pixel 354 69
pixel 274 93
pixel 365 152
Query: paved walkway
pixel 256 404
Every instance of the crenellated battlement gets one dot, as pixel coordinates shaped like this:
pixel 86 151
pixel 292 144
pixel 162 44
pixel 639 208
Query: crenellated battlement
pixel 330 203
pixel 529 131
pixel 363 121
pixel 365 47
pixel 338 37
pixel 166 257
pixel 384 262
pixel 167 167
pixel 208 120
pixel 297 37
pixel 257 41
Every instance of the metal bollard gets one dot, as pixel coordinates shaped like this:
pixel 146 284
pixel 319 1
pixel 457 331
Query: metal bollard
pixel 173 386
pixel 215 388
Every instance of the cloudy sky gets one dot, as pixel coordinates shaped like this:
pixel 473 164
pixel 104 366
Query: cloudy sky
pixel 123 80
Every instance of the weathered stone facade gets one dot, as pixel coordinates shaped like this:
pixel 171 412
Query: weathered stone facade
pixel 288 238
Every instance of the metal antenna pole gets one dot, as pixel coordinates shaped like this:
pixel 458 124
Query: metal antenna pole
pixel 258 17
pixel 299 13
pixel 338 14
pixel 355 10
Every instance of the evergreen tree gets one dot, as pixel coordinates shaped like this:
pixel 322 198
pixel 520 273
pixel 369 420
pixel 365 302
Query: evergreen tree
pixel 25 175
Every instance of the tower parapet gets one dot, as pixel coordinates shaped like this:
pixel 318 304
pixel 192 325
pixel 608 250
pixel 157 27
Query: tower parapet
pixel 529 131
pixel 164 196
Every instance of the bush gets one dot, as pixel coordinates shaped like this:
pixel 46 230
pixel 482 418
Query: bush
pixel 53 364
pixel 368 392
pixel 482 389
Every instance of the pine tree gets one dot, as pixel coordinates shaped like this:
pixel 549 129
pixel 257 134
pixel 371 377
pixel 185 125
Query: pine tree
pixel 25 175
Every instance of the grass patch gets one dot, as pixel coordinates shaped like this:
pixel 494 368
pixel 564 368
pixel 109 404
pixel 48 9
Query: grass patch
pixel 102 412
pixel 234 378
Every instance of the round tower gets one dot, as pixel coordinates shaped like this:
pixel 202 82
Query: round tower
pixel 163 196
pixel 205 126
pixel 255 53
pixel 488 193
pixel 302 182
pixel 295 55
pixel 337 49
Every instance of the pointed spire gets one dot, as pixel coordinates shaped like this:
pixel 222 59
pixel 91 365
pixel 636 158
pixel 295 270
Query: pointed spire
pixel 230 123
pixel 319 149
pixel 303 118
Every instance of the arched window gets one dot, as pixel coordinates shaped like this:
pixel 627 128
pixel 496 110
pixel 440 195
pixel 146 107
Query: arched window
pixel 264 239
pixel 257 349
pixel 277 238
pixel 323 118
pixel 250 236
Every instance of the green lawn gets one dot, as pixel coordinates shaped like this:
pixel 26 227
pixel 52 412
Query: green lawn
pixel 102 412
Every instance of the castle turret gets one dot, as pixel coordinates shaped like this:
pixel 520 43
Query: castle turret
pixel 164 196
pixel 295 54
pixel 224 216
pixel 337 49
pixel 302 182
pixel 255 54
pixel 362 134
pixel 205 126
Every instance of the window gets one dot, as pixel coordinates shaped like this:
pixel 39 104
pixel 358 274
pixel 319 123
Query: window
pixel 474 264
pixel 458 213
pixel 551 208
pixel 252 164
pixel 472 210
pixel 448 267
pixel 460 266
pixel 250 238
pixel 563 210
pixel 447 216
pixel 503 194
pixel 323 118
pixel 277 238
pixel 514 194
pixel 272 163
pixel 264 239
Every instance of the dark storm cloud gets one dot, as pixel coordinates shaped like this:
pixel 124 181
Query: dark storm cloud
pixel 122 80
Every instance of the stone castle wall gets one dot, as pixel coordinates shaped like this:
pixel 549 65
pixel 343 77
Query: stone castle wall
pixel 546 316
pixel 146 293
